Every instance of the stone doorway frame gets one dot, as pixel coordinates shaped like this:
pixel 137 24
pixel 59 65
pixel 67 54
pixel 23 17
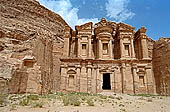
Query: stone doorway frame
pixel 109 78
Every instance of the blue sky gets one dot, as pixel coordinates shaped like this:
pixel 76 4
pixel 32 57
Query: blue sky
pixel 153 14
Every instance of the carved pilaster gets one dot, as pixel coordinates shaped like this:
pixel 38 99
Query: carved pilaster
pixel 67 37
pixel 145 54
pixel 98 80
pixel 89 74
pixel 132 48
pixel 63 78
pixel 121 48
pixel 66 46
pixel 100 50
pixel 111 49
pixel 90 47
pixel 78 77
pixel 78 46
pixel 150 79
pixel 123 71
pixel 135 79
pixel 94 80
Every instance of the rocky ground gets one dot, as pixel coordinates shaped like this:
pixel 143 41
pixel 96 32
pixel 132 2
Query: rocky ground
pixel 83 102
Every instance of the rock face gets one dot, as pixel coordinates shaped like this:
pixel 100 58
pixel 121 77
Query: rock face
pixel 161 65
pixel 31 40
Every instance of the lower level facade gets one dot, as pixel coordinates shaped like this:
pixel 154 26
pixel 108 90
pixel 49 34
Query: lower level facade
pixel 118 76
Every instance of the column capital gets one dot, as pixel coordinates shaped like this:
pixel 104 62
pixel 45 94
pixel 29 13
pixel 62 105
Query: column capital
pixel 131 37
pixel 89 36
pixel 67 35
pixel 121 37
pixel 89 66
pixel 134 67
pixel 142 36
pixel 63 66
pixel 148 67
pixel 123 65
pixel 78 36
pixel 78 66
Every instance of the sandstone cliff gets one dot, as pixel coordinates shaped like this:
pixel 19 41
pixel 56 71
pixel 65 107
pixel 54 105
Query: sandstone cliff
pixel 31 39
pixel 161 65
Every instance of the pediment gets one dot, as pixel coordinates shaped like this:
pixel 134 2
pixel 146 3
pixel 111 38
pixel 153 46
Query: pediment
pixel 71 72
pixel 125 27
pixel 86 26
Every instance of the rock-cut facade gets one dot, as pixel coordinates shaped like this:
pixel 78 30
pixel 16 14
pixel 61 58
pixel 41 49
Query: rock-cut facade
pixel 107 56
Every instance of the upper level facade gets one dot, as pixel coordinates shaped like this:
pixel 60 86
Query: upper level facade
pixel 106 40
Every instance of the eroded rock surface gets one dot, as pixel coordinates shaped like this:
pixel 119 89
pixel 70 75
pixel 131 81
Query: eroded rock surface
pixel 31 40
pixel 161 65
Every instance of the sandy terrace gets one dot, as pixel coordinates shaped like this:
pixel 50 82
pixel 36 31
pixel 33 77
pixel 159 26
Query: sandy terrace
pixel 107 102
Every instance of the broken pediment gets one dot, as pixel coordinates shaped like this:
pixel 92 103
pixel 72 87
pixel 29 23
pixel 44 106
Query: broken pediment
pixel 86 26
pixel 142 30
pixel 125 27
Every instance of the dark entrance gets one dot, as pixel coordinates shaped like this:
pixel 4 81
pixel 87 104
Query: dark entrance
pixel 106 81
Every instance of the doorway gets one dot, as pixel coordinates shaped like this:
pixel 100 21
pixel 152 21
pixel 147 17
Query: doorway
pixel 106 81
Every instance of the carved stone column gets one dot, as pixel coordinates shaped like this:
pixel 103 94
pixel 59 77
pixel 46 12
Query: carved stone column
pixel 78 78
pixel 67 37
pixel 111 49
pixel 121 48
pixel 63 80
pixel 112 79
pixel 90 47
pixel 98 85
pixel 145 53
pixel 78 46
pixel 150 80
pixel 66 46
pixel 83 79
pixel 132 48
pixel 123 71
pixel 135 79
pixel 89 74
pixel 100 50
pixel 94 80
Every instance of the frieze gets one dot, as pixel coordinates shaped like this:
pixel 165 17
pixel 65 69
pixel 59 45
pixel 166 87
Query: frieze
pixel 108 68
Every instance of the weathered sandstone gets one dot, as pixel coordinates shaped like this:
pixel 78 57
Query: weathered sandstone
pixel 161 65
pixel 31 42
